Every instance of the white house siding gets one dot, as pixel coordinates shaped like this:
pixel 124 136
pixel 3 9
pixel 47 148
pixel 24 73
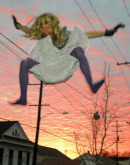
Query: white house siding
pixel 125 162
pixel 24 158
pixel 5 156
pixel 20 133
pixel 16 148
pixel 31 158
pixel 15 157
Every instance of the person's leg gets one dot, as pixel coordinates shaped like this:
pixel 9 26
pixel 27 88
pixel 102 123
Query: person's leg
pixel 23 78
pixel 84 65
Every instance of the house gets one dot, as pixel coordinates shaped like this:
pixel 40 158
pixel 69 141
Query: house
pixel 59 161
pixel 51 156
pixel 122 160
pixel 91 159
pixel 15 147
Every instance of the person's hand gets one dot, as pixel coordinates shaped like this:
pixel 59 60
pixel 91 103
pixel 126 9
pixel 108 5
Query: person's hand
pixel 15 22
pixel 112 31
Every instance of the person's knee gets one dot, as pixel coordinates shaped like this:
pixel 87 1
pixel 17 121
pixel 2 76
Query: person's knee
pixel 24 63
pixel 78 51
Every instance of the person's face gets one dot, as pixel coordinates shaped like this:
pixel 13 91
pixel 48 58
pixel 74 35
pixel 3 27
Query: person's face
pixel 47 30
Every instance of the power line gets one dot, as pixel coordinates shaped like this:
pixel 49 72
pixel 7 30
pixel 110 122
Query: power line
pixel 102 41
pixel 55 86
pixel 66 83
pixel 93 26
pixel 7 47
pixel 126 8
pixel 12 51
pixel 13 43
pixel 71 119
pixel 68 99
pixel 71 103
pixel 105 27
pixel 112 40
pixel 74 106
pixel 83 95
pixel 43 131
pixel 31 84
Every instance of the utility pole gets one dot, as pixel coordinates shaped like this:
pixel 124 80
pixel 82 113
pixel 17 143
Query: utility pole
pixel 117 140
pixel 38 123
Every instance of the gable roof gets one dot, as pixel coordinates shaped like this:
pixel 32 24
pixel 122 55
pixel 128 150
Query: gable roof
pixel 5 125
pixel 51 152
pixel 59 161
pixel 18 140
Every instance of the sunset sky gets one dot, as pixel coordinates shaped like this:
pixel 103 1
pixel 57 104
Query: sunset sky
pixel 73 96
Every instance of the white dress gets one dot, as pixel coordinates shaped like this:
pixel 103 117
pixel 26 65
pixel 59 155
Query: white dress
pixel 57 65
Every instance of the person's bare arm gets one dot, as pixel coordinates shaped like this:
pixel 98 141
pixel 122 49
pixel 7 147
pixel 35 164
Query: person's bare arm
pixel 92 34
pixel 23 28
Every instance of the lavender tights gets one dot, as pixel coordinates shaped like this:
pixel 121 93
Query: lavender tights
pixel 29 63
pixel 84 65
pixel 23 78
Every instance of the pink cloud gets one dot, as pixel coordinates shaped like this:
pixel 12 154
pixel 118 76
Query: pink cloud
pixel 126 1
pixel 94 51
pixel 123 40
pixel 121 32
pixel 15 12
pixel 93 18
pixel 108 58
pixel 65 22
pixel 2 10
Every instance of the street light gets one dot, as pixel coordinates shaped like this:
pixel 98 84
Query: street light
pixel 64 113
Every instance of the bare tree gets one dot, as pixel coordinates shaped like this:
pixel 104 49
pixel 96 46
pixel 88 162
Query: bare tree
pixel 100 120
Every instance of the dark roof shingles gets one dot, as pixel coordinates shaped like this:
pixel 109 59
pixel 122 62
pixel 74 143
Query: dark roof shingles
pixel 5 125
pixel 50 152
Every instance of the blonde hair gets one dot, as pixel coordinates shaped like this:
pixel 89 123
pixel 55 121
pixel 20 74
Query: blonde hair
pixel 35 31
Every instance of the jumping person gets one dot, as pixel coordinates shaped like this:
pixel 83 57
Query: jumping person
pixel 57 54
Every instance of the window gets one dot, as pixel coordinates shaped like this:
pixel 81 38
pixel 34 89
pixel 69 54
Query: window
pixel 1 155
pixel 10 157
pixel 16 132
